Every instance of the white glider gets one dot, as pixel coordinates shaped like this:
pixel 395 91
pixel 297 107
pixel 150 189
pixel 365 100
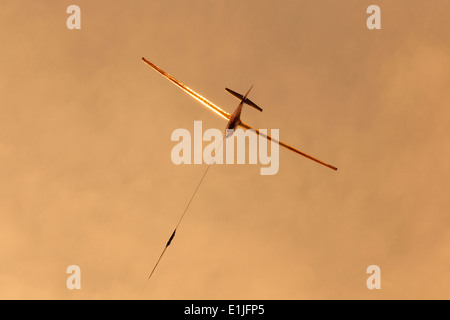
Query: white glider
pixel 233 119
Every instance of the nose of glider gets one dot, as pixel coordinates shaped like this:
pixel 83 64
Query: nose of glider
pixel 229 132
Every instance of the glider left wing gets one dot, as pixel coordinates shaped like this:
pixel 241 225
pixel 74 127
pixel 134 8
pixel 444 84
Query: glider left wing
pixel 191 92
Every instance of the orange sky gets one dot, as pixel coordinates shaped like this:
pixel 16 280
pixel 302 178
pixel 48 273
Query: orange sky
pixel 86 176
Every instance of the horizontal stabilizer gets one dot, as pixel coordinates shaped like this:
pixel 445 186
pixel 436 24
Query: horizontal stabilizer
pixel 247 101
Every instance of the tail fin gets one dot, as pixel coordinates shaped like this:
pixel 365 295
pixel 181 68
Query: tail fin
pixel 244 99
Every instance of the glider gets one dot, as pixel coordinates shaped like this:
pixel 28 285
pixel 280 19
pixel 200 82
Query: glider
pixel 234 120
pixel 235 117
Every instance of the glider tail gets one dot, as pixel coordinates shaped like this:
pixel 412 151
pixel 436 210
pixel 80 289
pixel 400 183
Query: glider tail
pixel 244 98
